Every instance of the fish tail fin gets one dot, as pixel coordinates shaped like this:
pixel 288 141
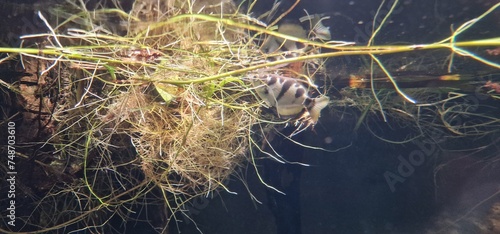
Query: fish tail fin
pixel 316 105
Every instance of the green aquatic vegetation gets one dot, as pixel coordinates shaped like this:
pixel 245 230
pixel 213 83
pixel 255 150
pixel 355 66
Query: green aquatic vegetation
pixel 165 112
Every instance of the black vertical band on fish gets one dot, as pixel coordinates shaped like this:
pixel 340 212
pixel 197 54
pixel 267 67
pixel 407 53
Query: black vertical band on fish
pixel 289 96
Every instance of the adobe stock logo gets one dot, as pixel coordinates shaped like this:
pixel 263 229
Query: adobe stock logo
pixel 428 147
pixel 406 166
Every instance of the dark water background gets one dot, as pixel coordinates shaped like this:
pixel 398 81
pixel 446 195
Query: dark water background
pixel 348 191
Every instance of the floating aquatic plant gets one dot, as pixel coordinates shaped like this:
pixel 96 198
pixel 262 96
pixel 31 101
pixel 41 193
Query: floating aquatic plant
pixel 157 109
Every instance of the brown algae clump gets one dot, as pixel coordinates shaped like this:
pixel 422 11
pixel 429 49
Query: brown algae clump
pixel 190 148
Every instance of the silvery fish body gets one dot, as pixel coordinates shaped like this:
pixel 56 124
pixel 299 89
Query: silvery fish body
pixel 317 30
pixel 320 31
pixel 277 44
pixel 289 96
pixel 293 30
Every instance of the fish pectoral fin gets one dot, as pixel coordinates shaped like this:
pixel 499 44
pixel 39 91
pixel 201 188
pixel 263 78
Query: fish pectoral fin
pixel 316 106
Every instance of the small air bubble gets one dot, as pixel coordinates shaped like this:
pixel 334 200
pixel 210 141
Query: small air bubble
pixel 328 140
pixel 351 3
